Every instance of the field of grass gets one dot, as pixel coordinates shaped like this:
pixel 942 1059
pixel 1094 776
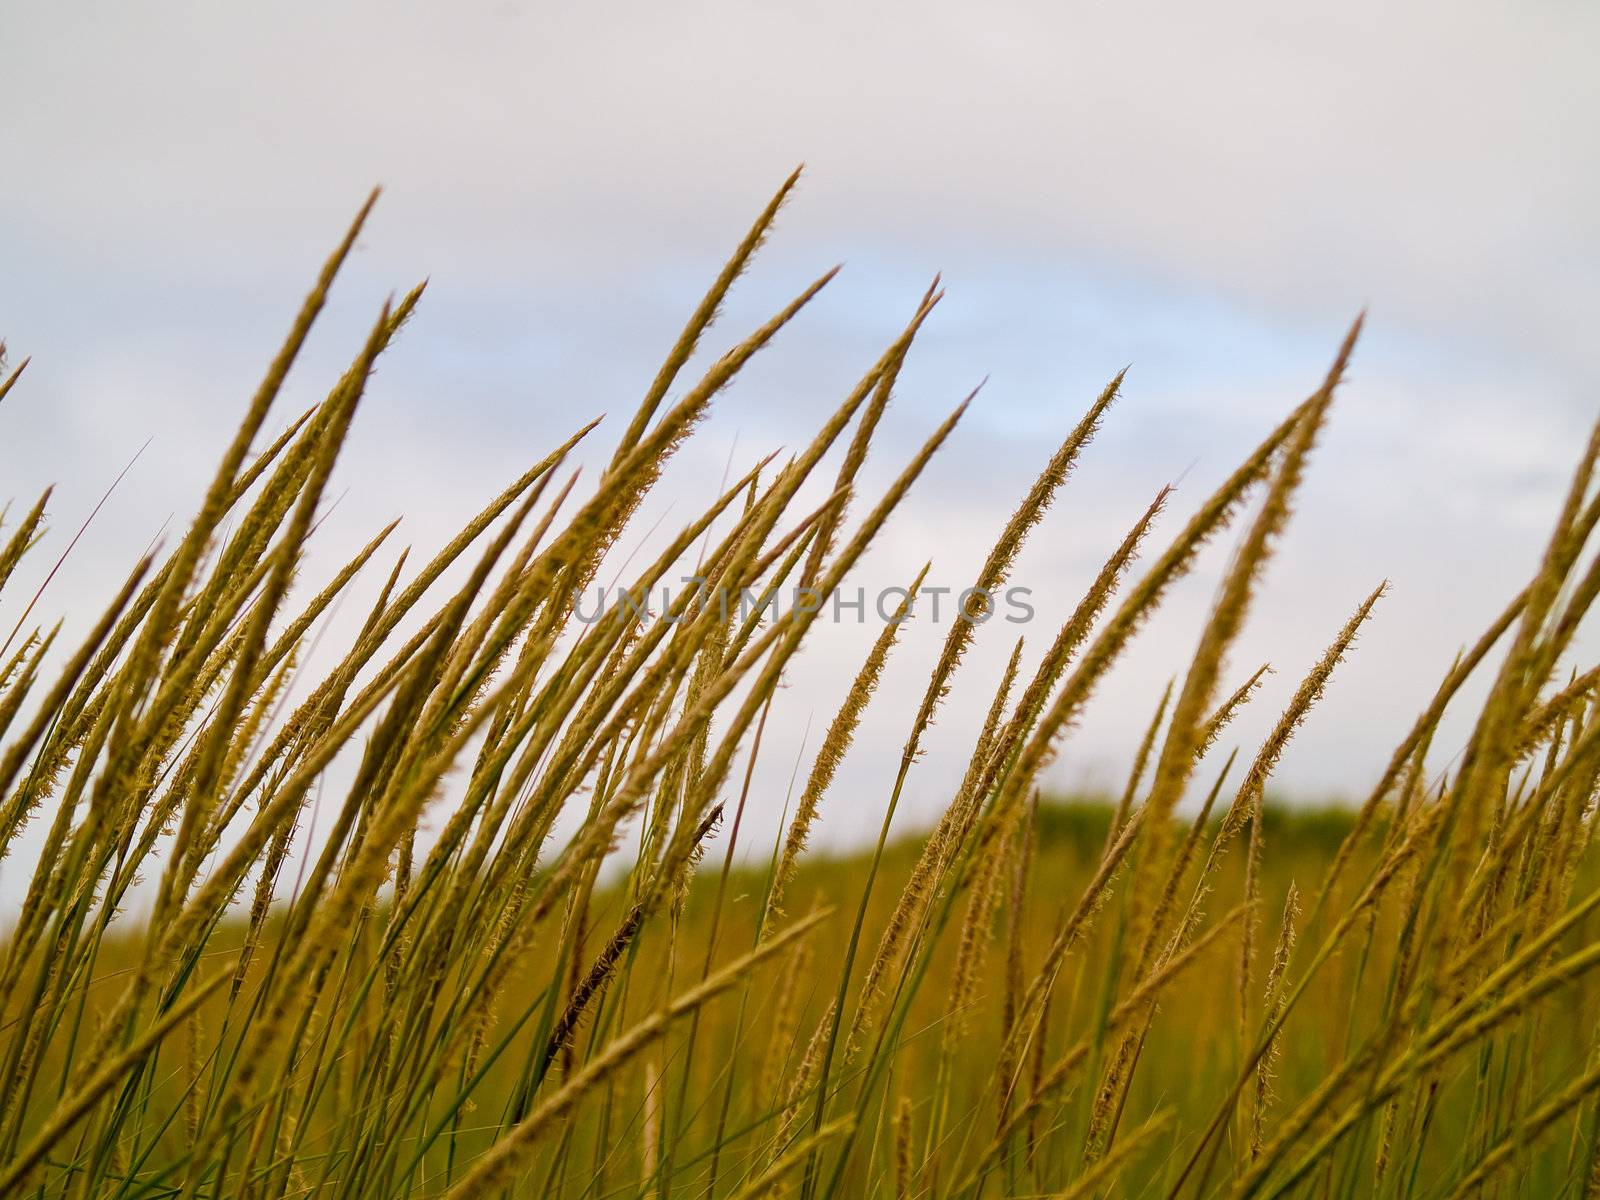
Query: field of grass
pixel 559 990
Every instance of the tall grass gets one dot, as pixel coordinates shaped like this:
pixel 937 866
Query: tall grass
pixel 239 971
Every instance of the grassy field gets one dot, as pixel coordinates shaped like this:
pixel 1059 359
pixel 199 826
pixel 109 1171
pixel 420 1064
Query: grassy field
pixel 1179 991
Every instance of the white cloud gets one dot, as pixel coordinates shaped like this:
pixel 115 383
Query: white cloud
pixel 1433 159
pixel 1207 191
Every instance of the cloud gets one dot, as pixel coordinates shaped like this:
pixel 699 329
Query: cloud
pixel 1432 159
pixel 1208 192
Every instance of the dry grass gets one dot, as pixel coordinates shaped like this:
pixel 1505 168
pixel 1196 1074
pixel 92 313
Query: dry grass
pixel 1031 1001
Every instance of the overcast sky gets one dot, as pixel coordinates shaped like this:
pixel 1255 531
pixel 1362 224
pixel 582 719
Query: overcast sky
pixel 1206 192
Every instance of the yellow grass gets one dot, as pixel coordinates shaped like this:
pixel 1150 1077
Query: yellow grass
pixel 1136 997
